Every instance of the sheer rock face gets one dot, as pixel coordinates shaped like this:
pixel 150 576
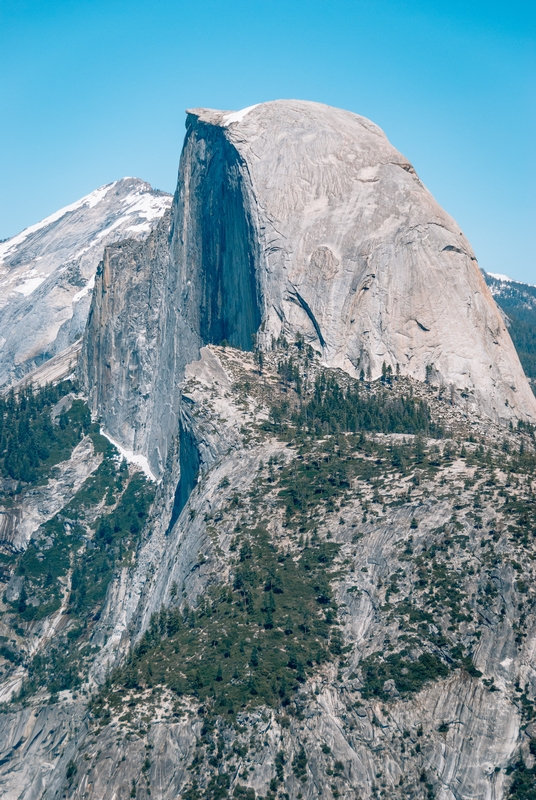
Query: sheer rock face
pixel 297 218
pixel 47 271
pixel 127 361
pixel 355 253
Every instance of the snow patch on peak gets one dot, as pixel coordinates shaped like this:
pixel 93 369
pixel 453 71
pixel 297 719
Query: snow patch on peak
pixel 87 288
pixel 238 116
pixel 498 276
pixel 29 285
pixel 149 206
pixel 89 201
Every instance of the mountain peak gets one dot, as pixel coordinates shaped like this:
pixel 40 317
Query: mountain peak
pixel 295 219
pixel 47 270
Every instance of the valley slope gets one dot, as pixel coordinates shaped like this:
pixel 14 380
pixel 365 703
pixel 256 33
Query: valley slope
pixel 328 588
pixel 518 302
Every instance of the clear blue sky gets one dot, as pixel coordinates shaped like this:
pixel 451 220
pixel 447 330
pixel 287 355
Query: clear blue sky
pixel 93 90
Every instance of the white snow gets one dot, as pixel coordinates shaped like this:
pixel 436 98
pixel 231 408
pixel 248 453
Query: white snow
pixel 147 205
pixel 238 116
pixel 87 288
pixel 500 277
pixel 95 197
pixel 133 458
pixel 140 202
pixel 142 227
pixel 506 663
pixel 29 285
pixel 89 201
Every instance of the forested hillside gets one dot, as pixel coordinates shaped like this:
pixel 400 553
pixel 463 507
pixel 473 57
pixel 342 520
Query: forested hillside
pixel 518 301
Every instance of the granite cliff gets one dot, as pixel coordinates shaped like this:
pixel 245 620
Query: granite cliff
pixel 293 217
pixel 322 584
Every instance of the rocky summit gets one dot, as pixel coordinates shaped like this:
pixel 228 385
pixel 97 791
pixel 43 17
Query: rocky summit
pixel 47 272
pixel 294 218
pixel 268 530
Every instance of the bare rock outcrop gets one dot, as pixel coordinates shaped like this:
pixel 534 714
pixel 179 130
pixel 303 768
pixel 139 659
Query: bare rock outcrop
pixel 47 272
pixel 354 252
pixel 294 218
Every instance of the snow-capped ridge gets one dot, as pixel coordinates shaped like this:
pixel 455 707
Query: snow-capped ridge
pixel 47 271
pixel 90 200
pixel 498 276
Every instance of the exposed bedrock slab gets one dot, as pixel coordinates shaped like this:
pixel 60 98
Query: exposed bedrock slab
pixel 47 271
pixel 356 254
pixel 294 218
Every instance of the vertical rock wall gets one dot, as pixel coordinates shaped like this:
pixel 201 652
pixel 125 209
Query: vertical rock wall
pixel 215 246
pixel 123 361
pixel 194 281
pixel 294 218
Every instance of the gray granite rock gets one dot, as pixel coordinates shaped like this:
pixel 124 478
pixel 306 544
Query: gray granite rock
pixel 47 271
pixel 294 218
pixel 353 252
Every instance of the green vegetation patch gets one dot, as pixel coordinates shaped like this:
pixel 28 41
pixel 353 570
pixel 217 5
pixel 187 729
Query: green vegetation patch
pixel 518 300
pixel 332 408
pixel 30 442
pixel 92 563
pixel 409 676
pixel 251 642
pixel 523 785
pixel 325 469
pixel 116 538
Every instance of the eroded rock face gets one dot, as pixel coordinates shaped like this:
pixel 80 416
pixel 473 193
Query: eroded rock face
pixel 47 272
pixel 356 254
pixel 454 738
pixel 294 218
pixel 127 360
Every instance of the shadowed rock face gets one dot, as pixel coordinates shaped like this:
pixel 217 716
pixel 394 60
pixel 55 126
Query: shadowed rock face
pixel 217 237
pixel 356 254
pixel 297 218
